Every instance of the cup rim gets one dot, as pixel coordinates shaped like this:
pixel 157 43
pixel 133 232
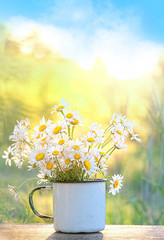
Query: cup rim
pixel 85 181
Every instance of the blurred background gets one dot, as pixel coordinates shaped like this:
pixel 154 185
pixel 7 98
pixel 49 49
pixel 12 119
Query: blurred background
pixel 104 57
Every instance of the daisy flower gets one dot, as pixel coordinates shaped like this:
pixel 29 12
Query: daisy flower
pixel 135 137
pixel 122 119
pixel 54 151
pixel 114 121
pixel 72 117
pixel 103 165
pixel 118 142
pixel 20 155
pixel 61 140
pixel 100 158
pixel 19 136
pixel 116 184
pixel 40 129
pixel 48 167
pixel 65 163
pixel 24 123
pixel 120 145
pixel 43 140
pixel 61 106
pixel 90 138
pixel 95 135
pixel 13 191
pixel 129 126
pixel 89 165
pixel 95 129
pixel 119 131
pixel 76 145
pixel 37 155
pixel 8 155
pixel 96 153
pixel 77 156
pixel 57 129
pixel 118 119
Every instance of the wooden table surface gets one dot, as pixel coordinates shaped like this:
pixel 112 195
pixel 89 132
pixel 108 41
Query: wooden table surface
pixel 46 232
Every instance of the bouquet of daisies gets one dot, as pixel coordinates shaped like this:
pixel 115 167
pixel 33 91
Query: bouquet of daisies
pixel 51 148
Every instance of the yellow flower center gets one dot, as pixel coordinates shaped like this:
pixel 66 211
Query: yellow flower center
pixel 115 185
pixel 119 132
pixel 74 122
pixel 57 129
pixel 59 108
pixel 114 121
pixel 40 156
pixel 49 166
pixel 94 133
pixel 91 140
pixel 121 120
pixel 67 161
pixel 77 156
pixel 55 152
pixel 96 159
pixel 38 136
pixel 61 142
pixel 43 144
pixel 42 127
pixel 69 115
pixel 76 147
pixel 102 153
pixel 87 165
pixel 86 153
pixel 43 139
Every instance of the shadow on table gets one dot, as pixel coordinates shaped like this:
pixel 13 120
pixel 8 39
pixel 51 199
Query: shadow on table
pixel 75 236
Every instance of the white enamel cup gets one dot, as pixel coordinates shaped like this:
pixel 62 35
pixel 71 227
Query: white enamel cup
pixel 77 206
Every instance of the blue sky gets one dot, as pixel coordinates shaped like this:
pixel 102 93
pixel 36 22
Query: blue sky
pixel 149 13
pixel 128 35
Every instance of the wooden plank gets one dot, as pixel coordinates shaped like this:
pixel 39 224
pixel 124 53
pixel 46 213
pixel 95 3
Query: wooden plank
pixel 46 232
pixel 134 232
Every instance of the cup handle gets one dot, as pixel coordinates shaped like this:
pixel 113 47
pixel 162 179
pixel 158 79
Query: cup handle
pixel 32 204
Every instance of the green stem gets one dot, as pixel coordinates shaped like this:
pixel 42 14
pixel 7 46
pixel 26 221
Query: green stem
pixel 73 128
pixel 95 176
pixel 31 145
pixel 110 149
pixel 90 147
pixel 107 128
pixel 106 143
pixel 107 138
pixel 76 170
pixel 99 145
pixel 59 164
pixel 62 112
pixel 69 131
pixel 99 161
pixel 25 182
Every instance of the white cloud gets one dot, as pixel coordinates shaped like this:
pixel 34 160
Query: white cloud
pixel 115 37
